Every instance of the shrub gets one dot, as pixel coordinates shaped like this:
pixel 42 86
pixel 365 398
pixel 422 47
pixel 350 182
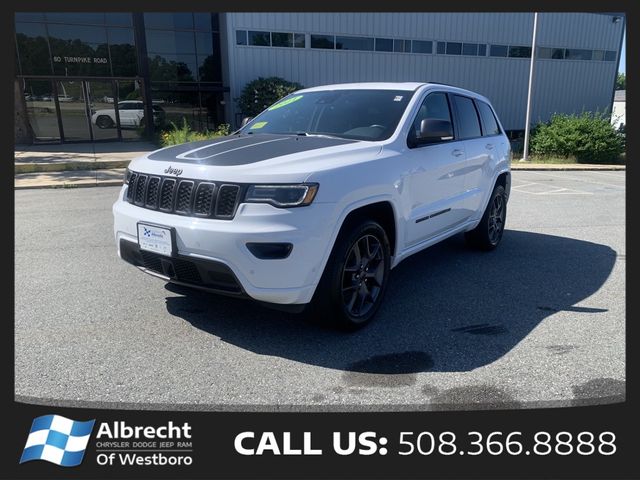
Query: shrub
pixel 177 135
pixel 135 95
pixel 589 137
pixel 262 92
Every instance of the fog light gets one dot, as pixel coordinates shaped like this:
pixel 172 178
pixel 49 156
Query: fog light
pixel 270 251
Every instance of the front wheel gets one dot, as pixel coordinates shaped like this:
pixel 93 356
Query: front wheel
pixel 488 233
pixel 104 121
pixel 355 278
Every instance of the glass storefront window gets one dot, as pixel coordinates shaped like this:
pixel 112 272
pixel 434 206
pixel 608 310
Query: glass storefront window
pixel 202 21
pixel 167 68
pixel 169 20
pixel 183 50
pixel 119 19
pixel 89 18
pixel 209 69
pixel 179 106
pixel 29 17
pixel 41 110
pixel 120 36
pixel 213 110
pixel 79 50
pixel 131 110
pixel 169 41
pixel 31 40
pixel 204 43
pixel 79 33
pixel 73 110
pixel 104 121
pixel 124 61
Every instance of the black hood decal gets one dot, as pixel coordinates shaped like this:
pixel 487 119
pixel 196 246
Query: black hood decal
pixel 243 149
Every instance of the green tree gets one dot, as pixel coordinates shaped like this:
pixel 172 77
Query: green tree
pixel 621 82
pixel 262 92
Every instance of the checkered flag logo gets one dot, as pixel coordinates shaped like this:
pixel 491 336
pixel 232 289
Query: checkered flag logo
pixel 57 440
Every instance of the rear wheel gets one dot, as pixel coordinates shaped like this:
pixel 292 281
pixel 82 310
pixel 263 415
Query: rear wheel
pixel 488 233
pixel 355 278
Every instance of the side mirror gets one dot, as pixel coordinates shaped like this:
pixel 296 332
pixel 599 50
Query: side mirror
pixel 434 130
pixel 245 120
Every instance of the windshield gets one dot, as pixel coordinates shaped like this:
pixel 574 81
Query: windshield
pixel 354 114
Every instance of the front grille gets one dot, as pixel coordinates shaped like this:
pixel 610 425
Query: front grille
pixel 184 196
pixel 152 193
pixel 166 194
pixel 138 196
pixel 204 198
pixel 227 201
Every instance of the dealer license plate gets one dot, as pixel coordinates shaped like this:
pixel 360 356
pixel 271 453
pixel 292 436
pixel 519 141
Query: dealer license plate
pixel 155 239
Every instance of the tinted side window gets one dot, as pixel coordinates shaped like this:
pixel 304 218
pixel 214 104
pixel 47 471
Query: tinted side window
pixel 467 117
pixel 434 106
pixel 489 123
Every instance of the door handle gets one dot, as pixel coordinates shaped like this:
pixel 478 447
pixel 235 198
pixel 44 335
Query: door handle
pixel 457 152
pixel 489 146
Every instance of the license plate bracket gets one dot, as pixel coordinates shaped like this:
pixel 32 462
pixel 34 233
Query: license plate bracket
pixel 157 239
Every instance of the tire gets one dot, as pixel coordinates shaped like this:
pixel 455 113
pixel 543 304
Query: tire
pixel 488 233
pixel 104 121
pixel 350 292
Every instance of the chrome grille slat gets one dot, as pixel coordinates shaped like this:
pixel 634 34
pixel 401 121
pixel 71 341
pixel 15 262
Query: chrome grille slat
pixel 204 199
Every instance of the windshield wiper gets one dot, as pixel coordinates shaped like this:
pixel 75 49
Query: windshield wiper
pixel 321 135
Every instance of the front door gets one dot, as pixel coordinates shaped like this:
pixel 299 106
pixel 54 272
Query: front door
pixel 436 178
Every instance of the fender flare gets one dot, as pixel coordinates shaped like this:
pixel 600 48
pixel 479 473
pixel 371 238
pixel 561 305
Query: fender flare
pixel 344 213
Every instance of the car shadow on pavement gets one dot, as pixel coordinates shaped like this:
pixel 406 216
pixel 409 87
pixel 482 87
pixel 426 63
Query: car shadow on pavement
pixel 447 309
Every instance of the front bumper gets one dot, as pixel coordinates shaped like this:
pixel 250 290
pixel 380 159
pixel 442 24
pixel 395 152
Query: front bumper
pixel 221 246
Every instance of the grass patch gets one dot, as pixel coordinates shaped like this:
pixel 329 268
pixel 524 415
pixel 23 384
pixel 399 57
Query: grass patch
pixel 556 159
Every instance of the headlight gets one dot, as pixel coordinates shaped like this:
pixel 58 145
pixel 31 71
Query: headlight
pixel 297 195
pixel 127 176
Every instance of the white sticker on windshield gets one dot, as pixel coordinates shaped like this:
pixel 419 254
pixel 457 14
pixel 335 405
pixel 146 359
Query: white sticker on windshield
pixel 398 98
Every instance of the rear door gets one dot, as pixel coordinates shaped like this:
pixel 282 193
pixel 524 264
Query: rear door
pixel 496 147
pixel 477 148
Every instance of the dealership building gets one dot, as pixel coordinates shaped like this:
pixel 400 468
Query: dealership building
pixel 99 76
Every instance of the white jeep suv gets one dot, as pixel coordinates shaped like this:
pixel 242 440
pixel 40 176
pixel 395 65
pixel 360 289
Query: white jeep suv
pixel 131 113
pixel 316 199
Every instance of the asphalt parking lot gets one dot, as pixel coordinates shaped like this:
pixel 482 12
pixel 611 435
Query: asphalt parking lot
pixel 540 321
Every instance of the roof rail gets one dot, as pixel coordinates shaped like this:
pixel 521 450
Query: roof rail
pixel 445 84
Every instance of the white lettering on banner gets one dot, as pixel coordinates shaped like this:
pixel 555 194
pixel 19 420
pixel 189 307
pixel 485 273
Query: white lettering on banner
pixel 121 430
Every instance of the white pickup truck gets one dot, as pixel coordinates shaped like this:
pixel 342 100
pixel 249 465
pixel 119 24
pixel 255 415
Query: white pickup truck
pixel 316 199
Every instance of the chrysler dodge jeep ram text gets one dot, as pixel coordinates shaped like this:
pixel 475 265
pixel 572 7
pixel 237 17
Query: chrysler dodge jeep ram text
pixel 316 199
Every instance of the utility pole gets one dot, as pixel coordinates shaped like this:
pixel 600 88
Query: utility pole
pixel 525 154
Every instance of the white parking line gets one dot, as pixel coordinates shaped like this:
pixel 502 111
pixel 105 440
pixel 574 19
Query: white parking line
pixel 609 174
pixel 577 179
pixel 553 191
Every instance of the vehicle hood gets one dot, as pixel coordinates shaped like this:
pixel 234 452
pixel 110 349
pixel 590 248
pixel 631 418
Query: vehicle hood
pixel 255 158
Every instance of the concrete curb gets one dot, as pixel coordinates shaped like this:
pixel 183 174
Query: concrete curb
pixel 67 185
pixel 567 168
pixel 69 166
